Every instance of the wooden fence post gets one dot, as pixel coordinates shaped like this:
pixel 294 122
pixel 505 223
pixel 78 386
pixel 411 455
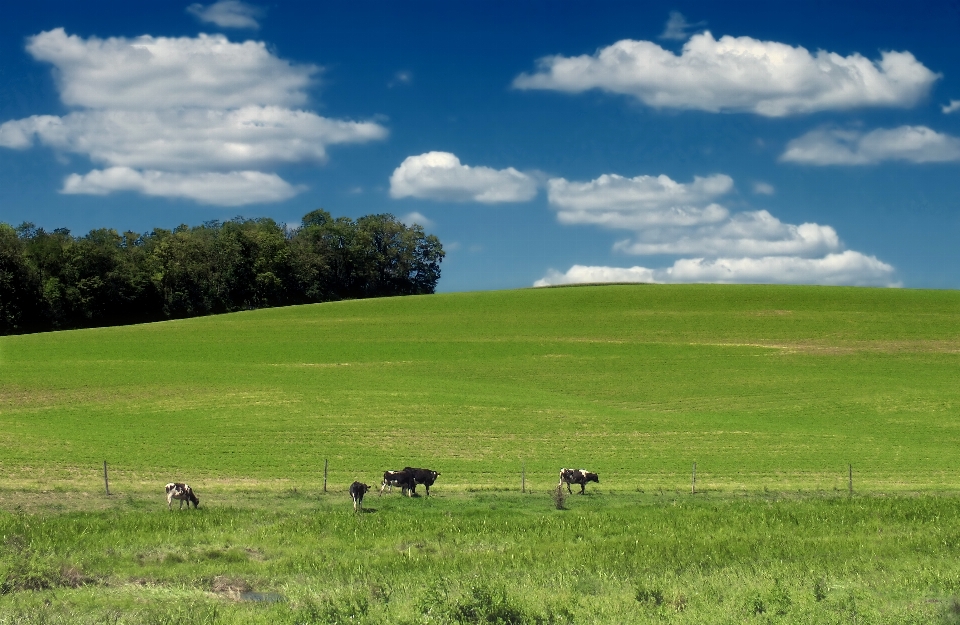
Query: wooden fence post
pixel 523 477
pixel 106 482
pixel 693 485
pixel 325 464
pixel 850 476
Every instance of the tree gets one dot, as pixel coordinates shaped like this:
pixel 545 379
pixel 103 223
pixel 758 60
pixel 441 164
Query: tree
pixel 55 280
pixel 19 285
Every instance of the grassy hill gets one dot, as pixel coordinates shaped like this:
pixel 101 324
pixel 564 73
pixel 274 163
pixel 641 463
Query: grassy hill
pixel 762 386
pixel 772 391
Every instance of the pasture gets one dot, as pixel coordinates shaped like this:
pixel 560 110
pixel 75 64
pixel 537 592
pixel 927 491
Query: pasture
pixel 773 391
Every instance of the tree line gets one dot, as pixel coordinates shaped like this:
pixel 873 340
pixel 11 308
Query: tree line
pixel 54 280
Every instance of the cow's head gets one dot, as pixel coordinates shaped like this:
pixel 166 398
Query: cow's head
pixel 591 477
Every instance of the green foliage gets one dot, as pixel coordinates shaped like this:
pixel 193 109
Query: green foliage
pixel 55 280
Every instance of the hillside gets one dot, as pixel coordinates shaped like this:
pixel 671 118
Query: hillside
pixel 763 386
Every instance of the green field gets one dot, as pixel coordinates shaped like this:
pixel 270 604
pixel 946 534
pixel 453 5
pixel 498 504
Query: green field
pixel 773 391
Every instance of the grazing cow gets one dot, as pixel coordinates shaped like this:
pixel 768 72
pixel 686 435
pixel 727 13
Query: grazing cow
pixel 357 491
pixel 422 476
pixel 183 492
pixel 403 479
pixel 576 476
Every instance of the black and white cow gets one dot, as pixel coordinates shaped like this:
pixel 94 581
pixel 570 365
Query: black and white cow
pixel 183 492
pixel 357 491
pixel 404 479
pixel 577 476
pixel 422 476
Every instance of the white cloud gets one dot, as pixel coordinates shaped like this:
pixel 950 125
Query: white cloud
pixel 150 73
pixel 416 218
pixel 441 176
pixel 180 139
pixel 669 217
pixel 227 14
pixel 677 27
pixel 164 105
pixel 235 188
pixel 754 233
pixel 676 219
pixel 845 268
pixel 618 202
pixel 737 74
pixel 916 144
pixel 953 107
pixel 763 188
pixel 583 274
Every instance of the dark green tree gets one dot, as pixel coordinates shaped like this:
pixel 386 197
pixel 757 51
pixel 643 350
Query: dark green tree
pixel 55 280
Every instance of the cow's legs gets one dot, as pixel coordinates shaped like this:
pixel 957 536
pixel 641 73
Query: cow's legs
pixel 568 488
pixel 582 488
pixel 169 501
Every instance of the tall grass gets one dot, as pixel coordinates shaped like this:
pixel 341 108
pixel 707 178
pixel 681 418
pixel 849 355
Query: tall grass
pixel 497 558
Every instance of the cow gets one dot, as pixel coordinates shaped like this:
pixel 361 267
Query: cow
pixel 576 476
pixel 403 479
pixel 183 492
pixel 422 476
pixel 357 491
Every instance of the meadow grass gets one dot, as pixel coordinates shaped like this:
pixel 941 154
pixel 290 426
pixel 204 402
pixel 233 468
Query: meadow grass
pixel 491 558
pixel 773 391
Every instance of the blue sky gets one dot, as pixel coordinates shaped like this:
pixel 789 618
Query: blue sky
pixel 543 142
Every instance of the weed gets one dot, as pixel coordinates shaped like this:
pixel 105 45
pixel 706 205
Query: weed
pixel 820 590
pixel 482 604
pixel 559 498
pixel 649 596
pixel 339 610
pixel 679 602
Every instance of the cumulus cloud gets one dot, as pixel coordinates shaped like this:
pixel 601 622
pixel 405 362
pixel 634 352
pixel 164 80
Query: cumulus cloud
pixel 953 107
pixel 618 202
pixel 677 27
pixel 844 268
pixel 179 139
pixel 416 218
pixel 685 219
pixel 235 188
pixel 670 217
pixel 441 176
pixel 149 73
pixel 164 106
pixel 227 14
pixel 751 233
pixel 916 144
pixel 737 74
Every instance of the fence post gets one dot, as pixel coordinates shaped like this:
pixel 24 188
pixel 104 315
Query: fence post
pixel 106 482
pixel 523 477
pixel 325 463
pixel 693 485
pixel 850 476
